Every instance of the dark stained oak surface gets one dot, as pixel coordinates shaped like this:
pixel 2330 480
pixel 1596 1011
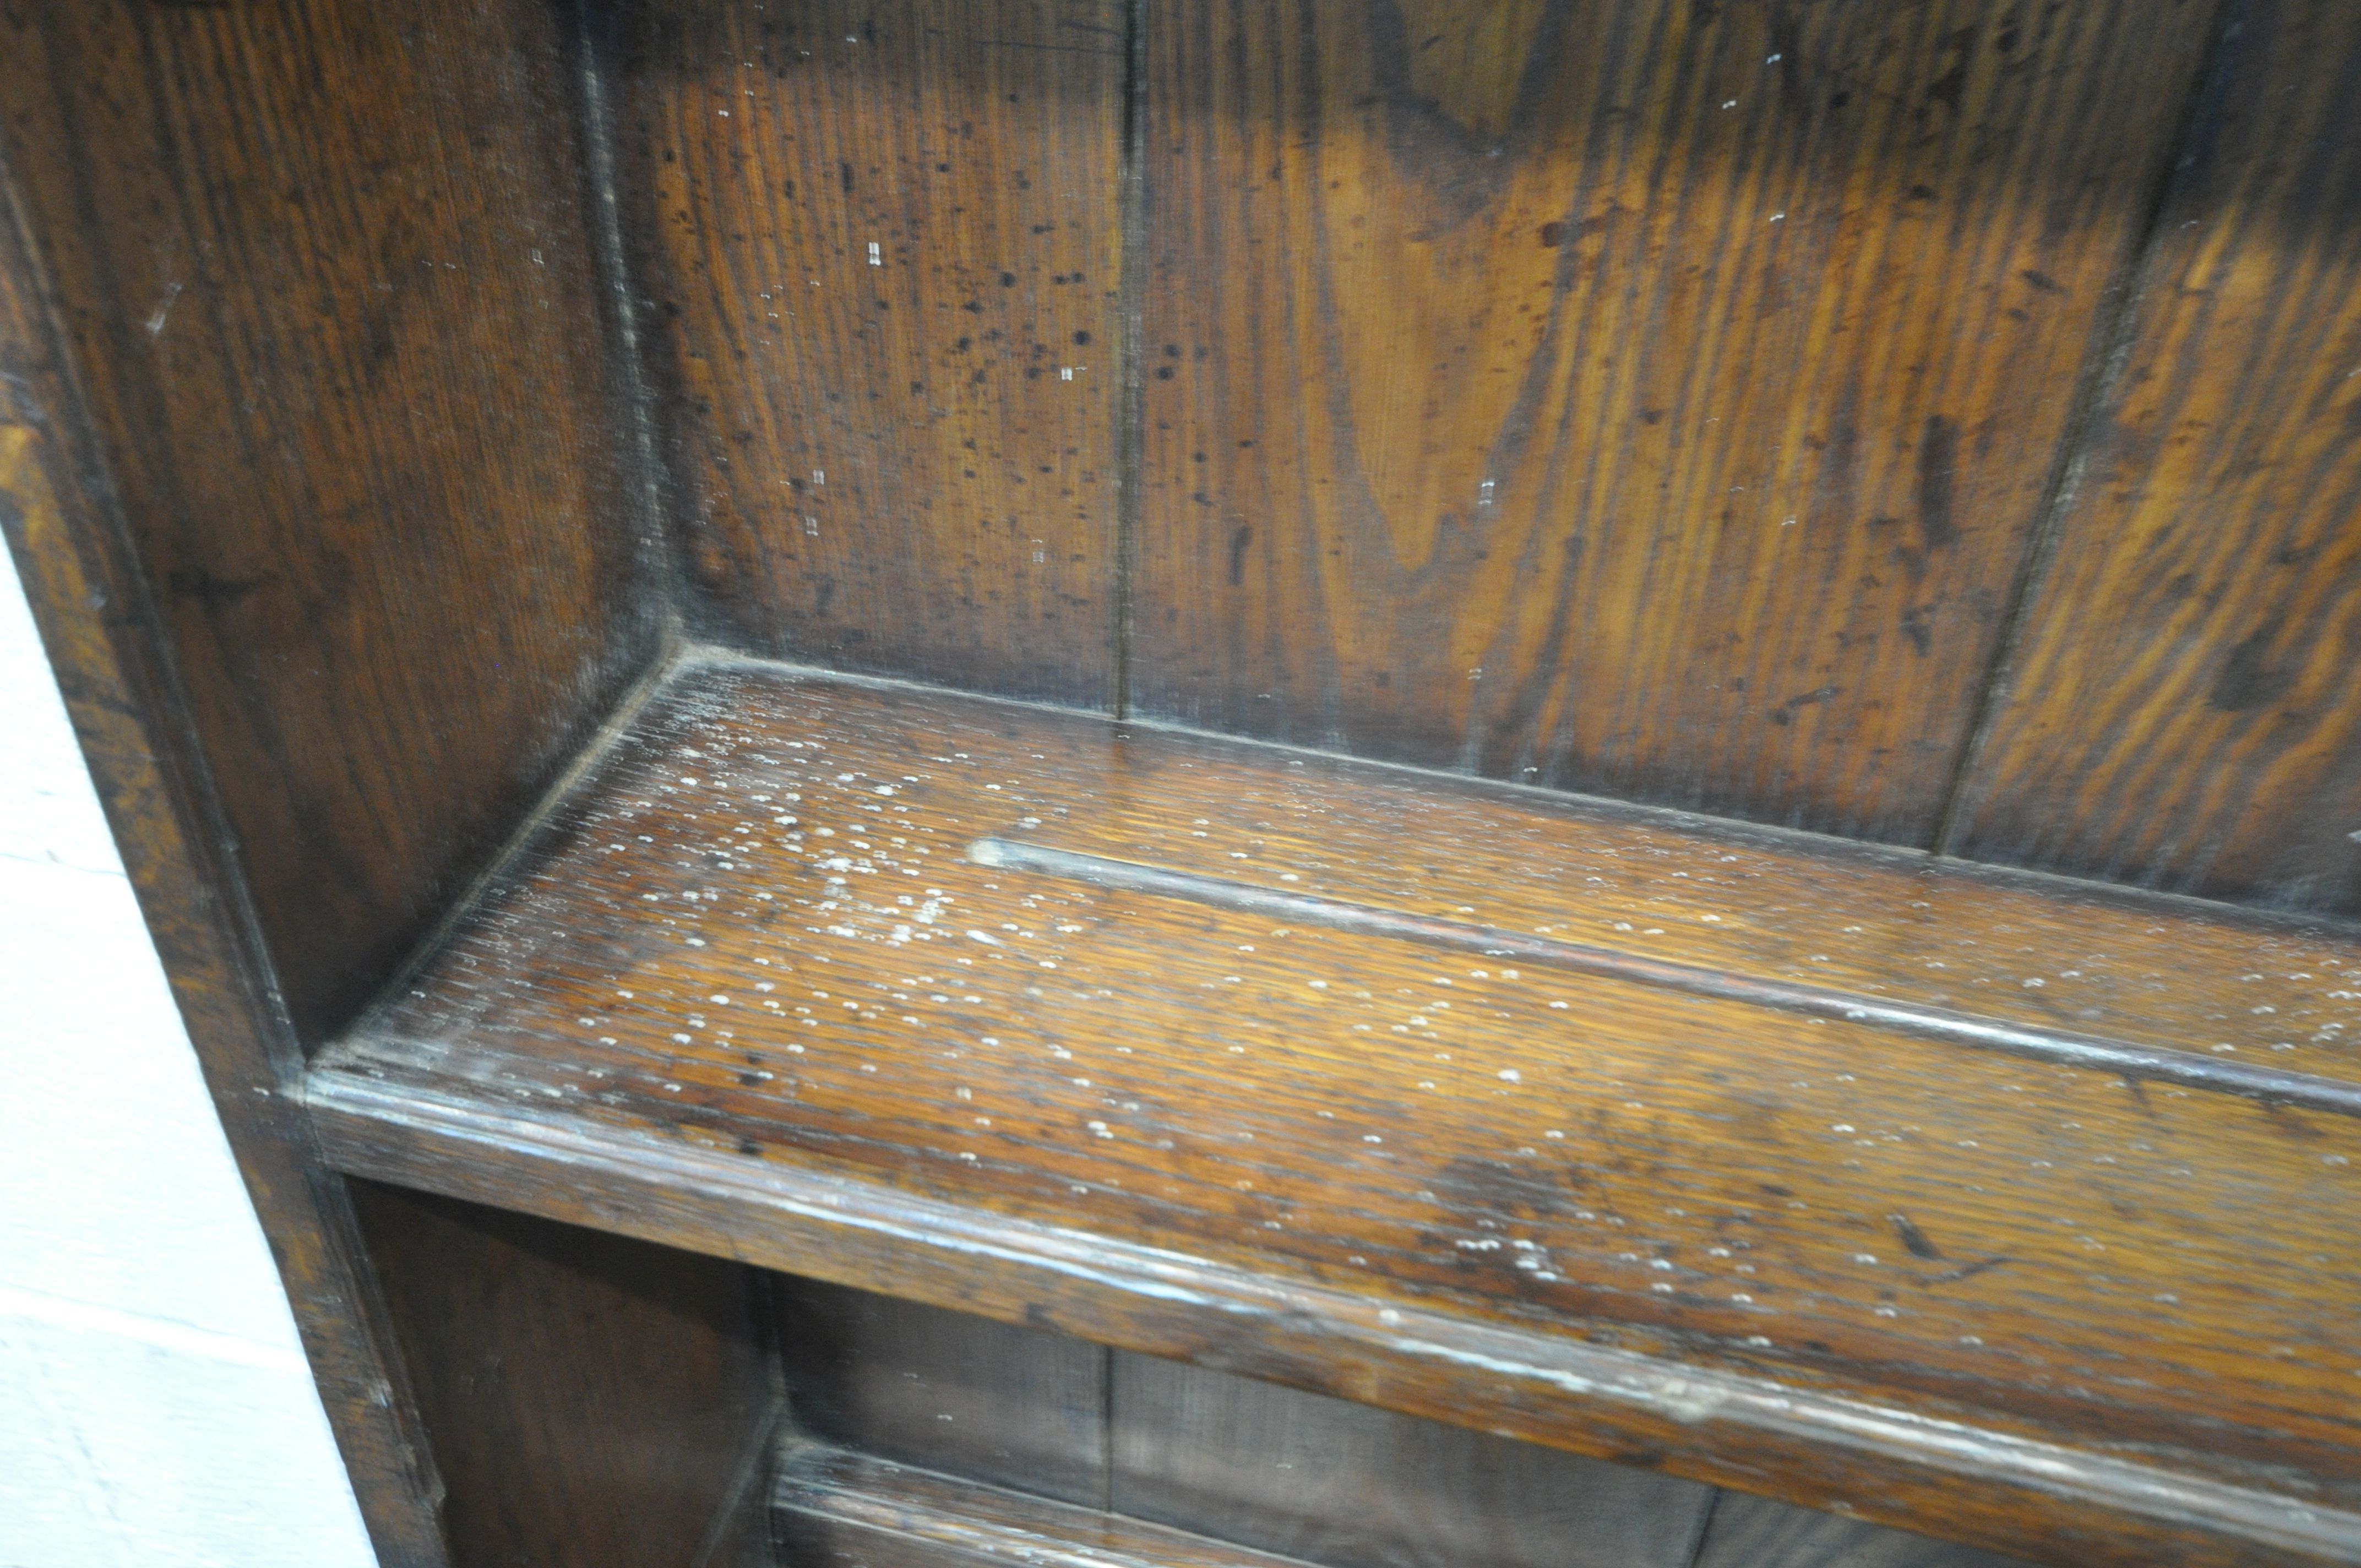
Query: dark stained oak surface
pixel 838 1507
pixel 1236 1460
pixel 841 1509
pixel 754 949
pixel 592 1399
pixel 328 285
pixel 1249 1462
pixel 1754 1532
pixel 882 249
pixel 996 1403
pixel 2183 711
pixel 1351 1487
pixel 1881 927
pixel 1653 399
pixel 1932 422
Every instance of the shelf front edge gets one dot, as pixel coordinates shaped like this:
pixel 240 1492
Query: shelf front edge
pixel 377 1117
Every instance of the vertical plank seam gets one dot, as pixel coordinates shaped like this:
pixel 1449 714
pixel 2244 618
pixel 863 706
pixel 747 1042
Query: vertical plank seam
pixel 1106 1429
pixel 2112 339
pixel 658 550
pixel 1703 1528
pixel 1131 428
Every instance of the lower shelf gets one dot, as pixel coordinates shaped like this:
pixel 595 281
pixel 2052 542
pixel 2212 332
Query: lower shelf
pixel 1988 1206
pixel 834 1507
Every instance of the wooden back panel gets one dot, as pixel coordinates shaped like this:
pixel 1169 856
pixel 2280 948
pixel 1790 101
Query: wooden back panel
pixel 593 1401
pixel 883 251
pixel 2183 711
pixel 1664 401
pixel 1652 398
pixel 1485 360
pixel 1250 1467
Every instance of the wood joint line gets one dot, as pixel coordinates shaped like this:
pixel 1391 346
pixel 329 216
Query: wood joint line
pixel 2063 1047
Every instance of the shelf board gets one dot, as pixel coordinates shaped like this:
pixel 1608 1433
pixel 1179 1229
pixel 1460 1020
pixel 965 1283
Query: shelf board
pixel 842 1506
pixel 1987 1205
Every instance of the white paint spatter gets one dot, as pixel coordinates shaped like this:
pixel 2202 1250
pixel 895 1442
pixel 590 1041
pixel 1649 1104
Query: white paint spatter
pixel 163 309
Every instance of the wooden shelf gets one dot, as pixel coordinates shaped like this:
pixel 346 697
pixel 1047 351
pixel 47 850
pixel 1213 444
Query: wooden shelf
pixel 840 1506
pixel 1998 1207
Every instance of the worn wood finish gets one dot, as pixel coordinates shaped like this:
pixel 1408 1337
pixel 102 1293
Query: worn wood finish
pixel 984 1096
pixel 1644 397
pixel 1649 399
pixel 1977 1478
pixel 1754 1532
pixel 1503 870
pixel 2182 711
pixel 327 281
pixel 838 1508
pixel 106 645
pixel 1964 1473
pixel 593 1401
pixel 884 248
pixel 1343 1485
pixel 1001 1405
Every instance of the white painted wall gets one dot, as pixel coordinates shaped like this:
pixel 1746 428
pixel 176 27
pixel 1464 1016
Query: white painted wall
pixel 155 1407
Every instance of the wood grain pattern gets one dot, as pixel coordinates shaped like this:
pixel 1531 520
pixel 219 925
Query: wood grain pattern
pixel 1884 927
pixel 105 644
pixel 1648 398
pixel 2182 711
pixel 884 246
pixel 1005 1406
pixel 1972 1477
pixel 1352 1487
pixel 843 1509
pixel 1754 1532
pixel 592 1400
pixel 763 910
pixel 328 288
